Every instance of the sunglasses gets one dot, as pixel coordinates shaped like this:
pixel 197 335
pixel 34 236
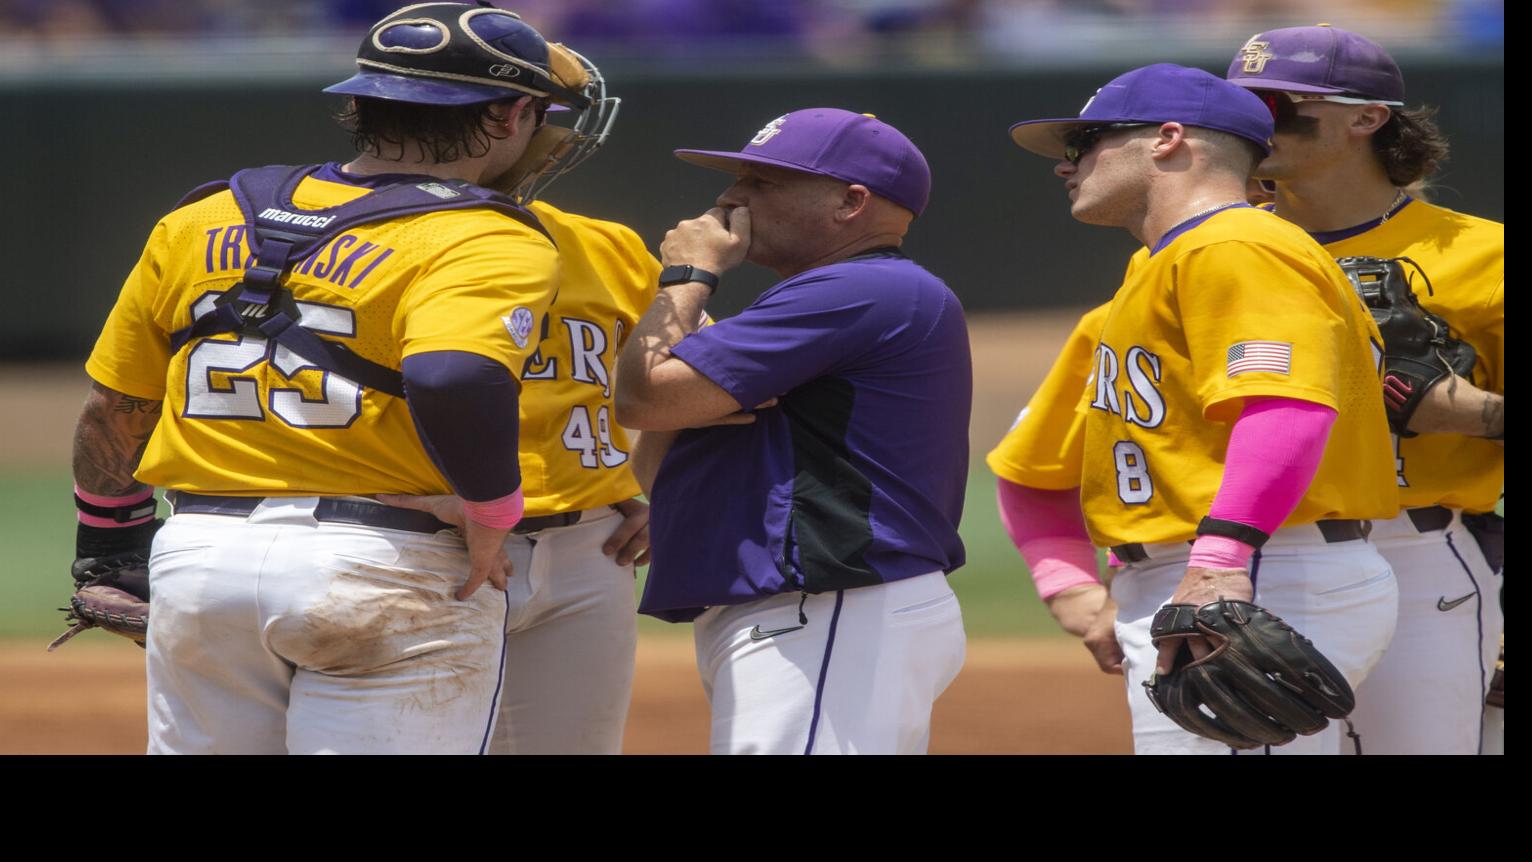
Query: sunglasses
pixel 1079 143
pixel 1281 102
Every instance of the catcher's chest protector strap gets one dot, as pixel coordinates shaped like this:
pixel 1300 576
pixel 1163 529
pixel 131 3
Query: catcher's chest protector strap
pixel 281 235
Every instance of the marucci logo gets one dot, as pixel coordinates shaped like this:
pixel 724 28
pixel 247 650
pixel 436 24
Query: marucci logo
pixel 285 217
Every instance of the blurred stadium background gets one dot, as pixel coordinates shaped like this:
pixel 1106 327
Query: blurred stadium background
pixel 117 107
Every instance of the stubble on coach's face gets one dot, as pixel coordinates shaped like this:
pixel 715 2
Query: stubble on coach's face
pixel 792 215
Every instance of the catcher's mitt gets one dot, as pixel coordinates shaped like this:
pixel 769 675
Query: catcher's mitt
pixel 111 593
pixel 1263 683
pixel 1419 350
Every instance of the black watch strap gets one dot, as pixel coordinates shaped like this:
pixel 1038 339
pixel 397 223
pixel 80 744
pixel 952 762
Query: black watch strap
pixel 685 274
pixel 1233 530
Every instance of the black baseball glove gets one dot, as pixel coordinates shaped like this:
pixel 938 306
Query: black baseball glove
pixel 111 583
pixel 1419 350
pixel 1263 683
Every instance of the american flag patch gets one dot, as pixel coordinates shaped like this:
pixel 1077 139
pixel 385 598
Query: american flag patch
pixel 1273 356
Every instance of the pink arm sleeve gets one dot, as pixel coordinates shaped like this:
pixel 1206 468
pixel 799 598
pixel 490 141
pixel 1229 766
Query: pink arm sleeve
pixel 1274 452
pixel 1049 531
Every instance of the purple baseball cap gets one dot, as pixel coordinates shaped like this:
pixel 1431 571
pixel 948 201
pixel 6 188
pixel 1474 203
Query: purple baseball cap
pixel 1162 93
pixel 851 147
pixel 1322 59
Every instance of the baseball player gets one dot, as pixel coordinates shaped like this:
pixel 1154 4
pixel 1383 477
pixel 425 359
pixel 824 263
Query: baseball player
pixel 1037 465
pixel 298 339
pixel 823 619
pixel 573 630
pixel 1228 417
pixel 1345 150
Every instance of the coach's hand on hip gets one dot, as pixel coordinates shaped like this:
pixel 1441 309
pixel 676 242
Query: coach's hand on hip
pixel 1199 587
pixel 715 241
pixel 487 559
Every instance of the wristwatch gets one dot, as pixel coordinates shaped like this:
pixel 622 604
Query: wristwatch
pixel 683 273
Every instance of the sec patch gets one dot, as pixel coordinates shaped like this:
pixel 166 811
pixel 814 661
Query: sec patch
pixel 519 324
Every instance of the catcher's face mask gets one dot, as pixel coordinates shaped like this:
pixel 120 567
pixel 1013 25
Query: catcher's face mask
pixel 570 136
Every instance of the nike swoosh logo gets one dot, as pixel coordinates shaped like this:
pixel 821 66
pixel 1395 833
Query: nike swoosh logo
pixel 757 635
pixel 1443 605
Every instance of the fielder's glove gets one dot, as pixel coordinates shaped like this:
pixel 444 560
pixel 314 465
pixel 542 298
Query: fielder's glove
pixel 1263 683
pixel 111 588
pixel 1419 350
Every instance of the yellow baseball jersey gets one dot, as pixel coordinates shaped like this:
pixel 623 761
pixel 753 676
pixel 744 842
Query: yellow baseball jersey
pixel 1045 446
pixel 574 455
pixel 1464 258
pixel 1241 305
pixel 244 417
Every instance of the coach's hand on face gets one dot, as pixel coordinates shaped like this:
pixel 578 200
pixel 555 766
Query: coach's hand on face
pixel 715 241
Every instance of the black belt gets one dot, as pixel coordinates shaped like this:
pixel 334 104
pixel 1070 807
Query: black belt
pixel 547 522
pixel 1333 531
pixel 335 510
pixel 332 510
pixel 1430 518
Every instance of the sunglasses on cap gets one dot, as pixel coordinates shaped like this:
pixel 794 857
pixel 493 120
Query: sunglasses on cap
pixel 1079 143
pixel 1278 100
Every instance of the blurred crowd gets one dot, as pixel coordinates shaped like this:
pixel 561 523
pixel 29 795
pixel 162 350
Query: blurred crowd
pixel 817 27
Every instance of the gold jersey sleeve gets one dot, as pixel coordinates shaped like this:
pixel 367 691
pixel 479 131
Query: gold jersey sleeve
pixel 1464 259
pixel 245 417
pixel 1045 445
pixel 1242 305
pixel 574 455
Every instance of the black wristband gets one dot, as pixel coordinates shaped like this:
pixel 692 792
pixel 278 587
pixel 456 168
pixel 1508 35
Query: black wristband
pixel 105 541
pixel 1233 530
pixel 685 274
pixel 120 514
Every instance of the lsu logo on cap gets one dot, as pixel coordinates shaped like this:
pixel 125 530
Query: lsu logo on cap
pixel 769 131
pixel 1256 55
pixel 519 324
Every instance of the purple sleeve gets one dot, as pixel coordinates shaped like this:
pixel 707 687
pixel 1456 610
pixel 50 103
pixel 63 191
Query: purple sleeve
pixel 465 409
pixel 799 330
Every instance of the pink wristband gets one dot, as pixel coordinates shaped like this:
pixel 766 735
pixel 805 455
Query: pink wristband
pixel 129 502
pixel 1220 552
pixel 501 514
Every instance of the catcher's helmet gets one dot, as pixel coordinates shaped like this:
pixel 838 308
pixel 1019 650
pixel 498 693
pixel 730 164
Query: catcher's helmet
pixel 458 54
pixel 573 137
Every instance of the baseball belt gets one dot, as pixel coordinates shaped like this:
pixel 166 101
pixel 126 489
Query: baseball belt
pixel 336 510
pixel 332 510
pixel 1429 519
pixel 1332 530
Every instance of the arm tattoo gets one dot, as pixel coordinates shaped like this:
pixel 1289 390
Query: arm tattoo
pixel 110 439
pixel 1493 416
pixel 129 404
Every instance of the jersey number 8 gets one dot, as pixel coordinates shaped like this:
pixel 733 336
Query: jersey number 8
pixel 1133 483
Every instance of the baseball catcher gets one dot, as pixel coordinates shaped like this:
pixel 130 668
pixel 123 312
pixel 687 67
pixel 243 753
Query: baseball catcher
pixel 1262 683
pixel 1419 350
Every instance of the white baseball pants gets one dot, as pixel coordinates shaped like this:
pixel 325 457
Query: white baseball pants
pixel 573 634
pixel 1427 694
pixel 276 633
pixel 1342 596
pixel 859 677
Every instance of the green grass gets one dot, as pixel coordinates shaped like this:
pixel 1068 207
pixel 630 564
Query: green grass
pixel 37 525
